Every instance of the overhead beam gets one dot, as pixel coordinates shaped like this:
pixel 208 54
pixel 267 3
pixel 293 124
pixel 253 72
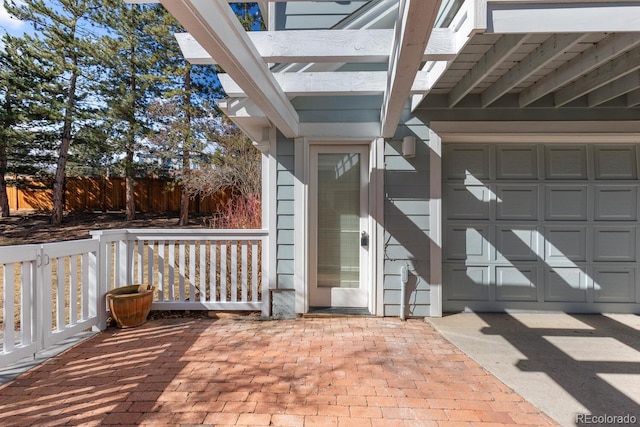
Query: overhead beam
pixel 544 54
pixel 217 29
pixel 607 73
pixel 228 1
pixel 410 40
pixel 329 83
pixel 303 46
pixel 612 90
pixel 500 51
pixel 582 64
pixel 562 17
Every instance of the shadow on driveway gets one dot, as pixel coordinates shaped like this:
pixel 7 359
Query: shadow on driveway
pixel 570 366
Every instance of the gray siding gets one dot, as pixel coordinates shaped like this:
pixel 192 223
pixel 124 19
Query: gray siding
pixel 313 15
pixel 285 213
pixel 406 217
pixel 338 109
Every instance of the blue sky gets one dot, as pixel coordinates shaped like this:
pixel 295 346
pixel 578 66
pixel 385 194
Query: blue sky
pixel 7 23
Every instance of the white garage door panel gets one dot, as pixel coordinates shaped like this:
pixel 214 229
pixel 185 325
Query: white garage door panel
pixel 471 202
pixel 517 243
pixel 467 283
pixel 517 162
pixel 616 203
pixel 516 283
pixel 468 242
pixel 541 226
pixel 466 161
pixel 615 162
pixel 566 284
pixel 565 244
pixel 566 162
pixel 614 284
pixel 566 203
pixel 517 202
pixel 614 244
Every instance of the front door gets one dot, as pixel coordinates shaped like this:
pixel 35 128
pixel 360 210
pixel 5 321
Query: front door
pixel 338 219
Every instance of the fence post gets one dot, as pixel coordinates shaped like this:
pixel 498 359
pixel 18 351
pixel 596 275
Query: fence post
pixel 266 282
pixel 37 333
pixel 98 282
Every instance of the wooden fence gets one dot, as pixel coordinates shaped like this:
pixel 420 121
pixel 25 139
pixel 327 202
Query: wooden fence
pixel 108 194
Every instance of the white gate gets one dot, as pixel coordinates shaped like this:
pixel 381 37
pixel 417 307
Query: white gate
pixel 49 293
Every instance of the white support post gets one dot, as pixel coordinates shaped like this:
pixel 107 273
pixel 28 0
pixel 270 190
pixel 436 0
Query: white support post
pixel 378 183
pixel 435 222
pixel 267 146
pixel 301 236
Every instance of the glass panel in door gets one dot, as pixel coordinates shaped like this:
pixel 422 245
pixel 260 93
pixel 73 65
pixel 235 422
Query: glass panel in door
pixel 338 218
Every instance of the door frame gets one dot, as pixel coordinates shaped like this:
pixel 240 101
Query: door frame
pixel 302 220
pixel 364 222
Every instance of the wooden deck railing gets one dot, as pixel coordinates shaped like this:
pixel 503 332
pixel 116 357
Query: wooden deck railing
pixel 52 291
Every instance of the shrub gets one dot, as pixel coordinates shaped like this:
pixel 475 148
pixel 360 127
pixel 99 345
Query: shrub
pixel 239 213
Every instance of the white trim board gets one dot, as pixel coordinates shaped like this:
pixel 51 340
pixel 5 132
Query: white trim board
pixel 534 131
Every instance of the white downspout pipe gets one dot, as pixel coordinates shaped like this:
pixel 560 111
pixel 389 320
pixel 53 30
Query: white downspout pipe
pixel 404 278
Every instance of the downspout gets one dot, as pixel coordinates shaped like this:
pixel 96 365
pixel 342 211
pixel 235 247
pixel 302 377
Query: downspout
pixel 404 278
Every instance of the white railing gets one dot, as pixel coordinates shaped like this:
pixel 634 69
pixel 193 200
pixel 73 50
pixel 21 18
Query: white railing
pixel 52 291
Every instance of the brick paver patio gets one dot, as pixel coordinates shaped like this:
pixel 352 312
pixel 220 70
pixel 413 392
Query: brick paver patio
pixel 304 372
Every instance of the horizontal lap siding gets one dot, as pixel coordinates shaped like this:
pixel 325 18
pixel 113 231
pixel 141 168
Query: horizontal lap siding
pixel 285 213
pixel 406 217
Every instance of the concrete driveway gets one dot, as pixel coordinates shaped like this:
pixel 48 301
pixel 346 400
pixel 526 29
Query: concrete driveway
pixel 579 369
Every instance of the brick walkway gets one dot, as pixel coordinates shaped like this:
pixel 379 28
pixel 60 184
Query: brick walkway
pixel 305 372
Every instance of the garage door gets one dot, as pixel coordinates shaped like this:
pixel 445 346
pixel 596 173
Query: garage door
pixel 543 226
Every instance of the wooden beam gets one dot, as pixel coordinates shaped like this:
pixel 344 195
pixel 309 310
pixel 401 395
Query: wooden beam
pixel 582 64
pixel 304 46
pixel 228 1
pixel 612 90
pixel 217 29
pixel 544 54
pixel 499 52
pixel 329 83
pixel 562 17
pixel 607 73
pixel 411 36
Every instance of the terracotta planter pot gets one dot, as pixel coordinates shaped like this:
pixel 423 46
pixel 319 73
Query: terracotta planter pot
pixel 130 305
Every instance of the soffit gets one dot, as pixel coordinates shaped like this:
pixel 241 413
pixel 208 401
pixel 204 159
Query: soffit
pixel 589 62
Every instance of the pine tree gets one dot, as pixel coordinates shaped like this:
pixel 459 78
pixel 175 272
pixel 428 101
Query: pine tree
pixel 26 141
pixel 63 47
pixel 133 78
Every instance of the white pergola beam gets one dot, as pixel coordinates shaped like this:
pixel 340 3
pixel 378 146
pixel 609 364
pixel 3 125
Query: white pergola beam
pixel 411 36
pixel 503 48
pixel 217 29
pixel 580 65
pixel 617 88
pixel 329 83
pixel 607 73
pixel 544 54
pixel 303 46
pixel 228 1
pixel 562 17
